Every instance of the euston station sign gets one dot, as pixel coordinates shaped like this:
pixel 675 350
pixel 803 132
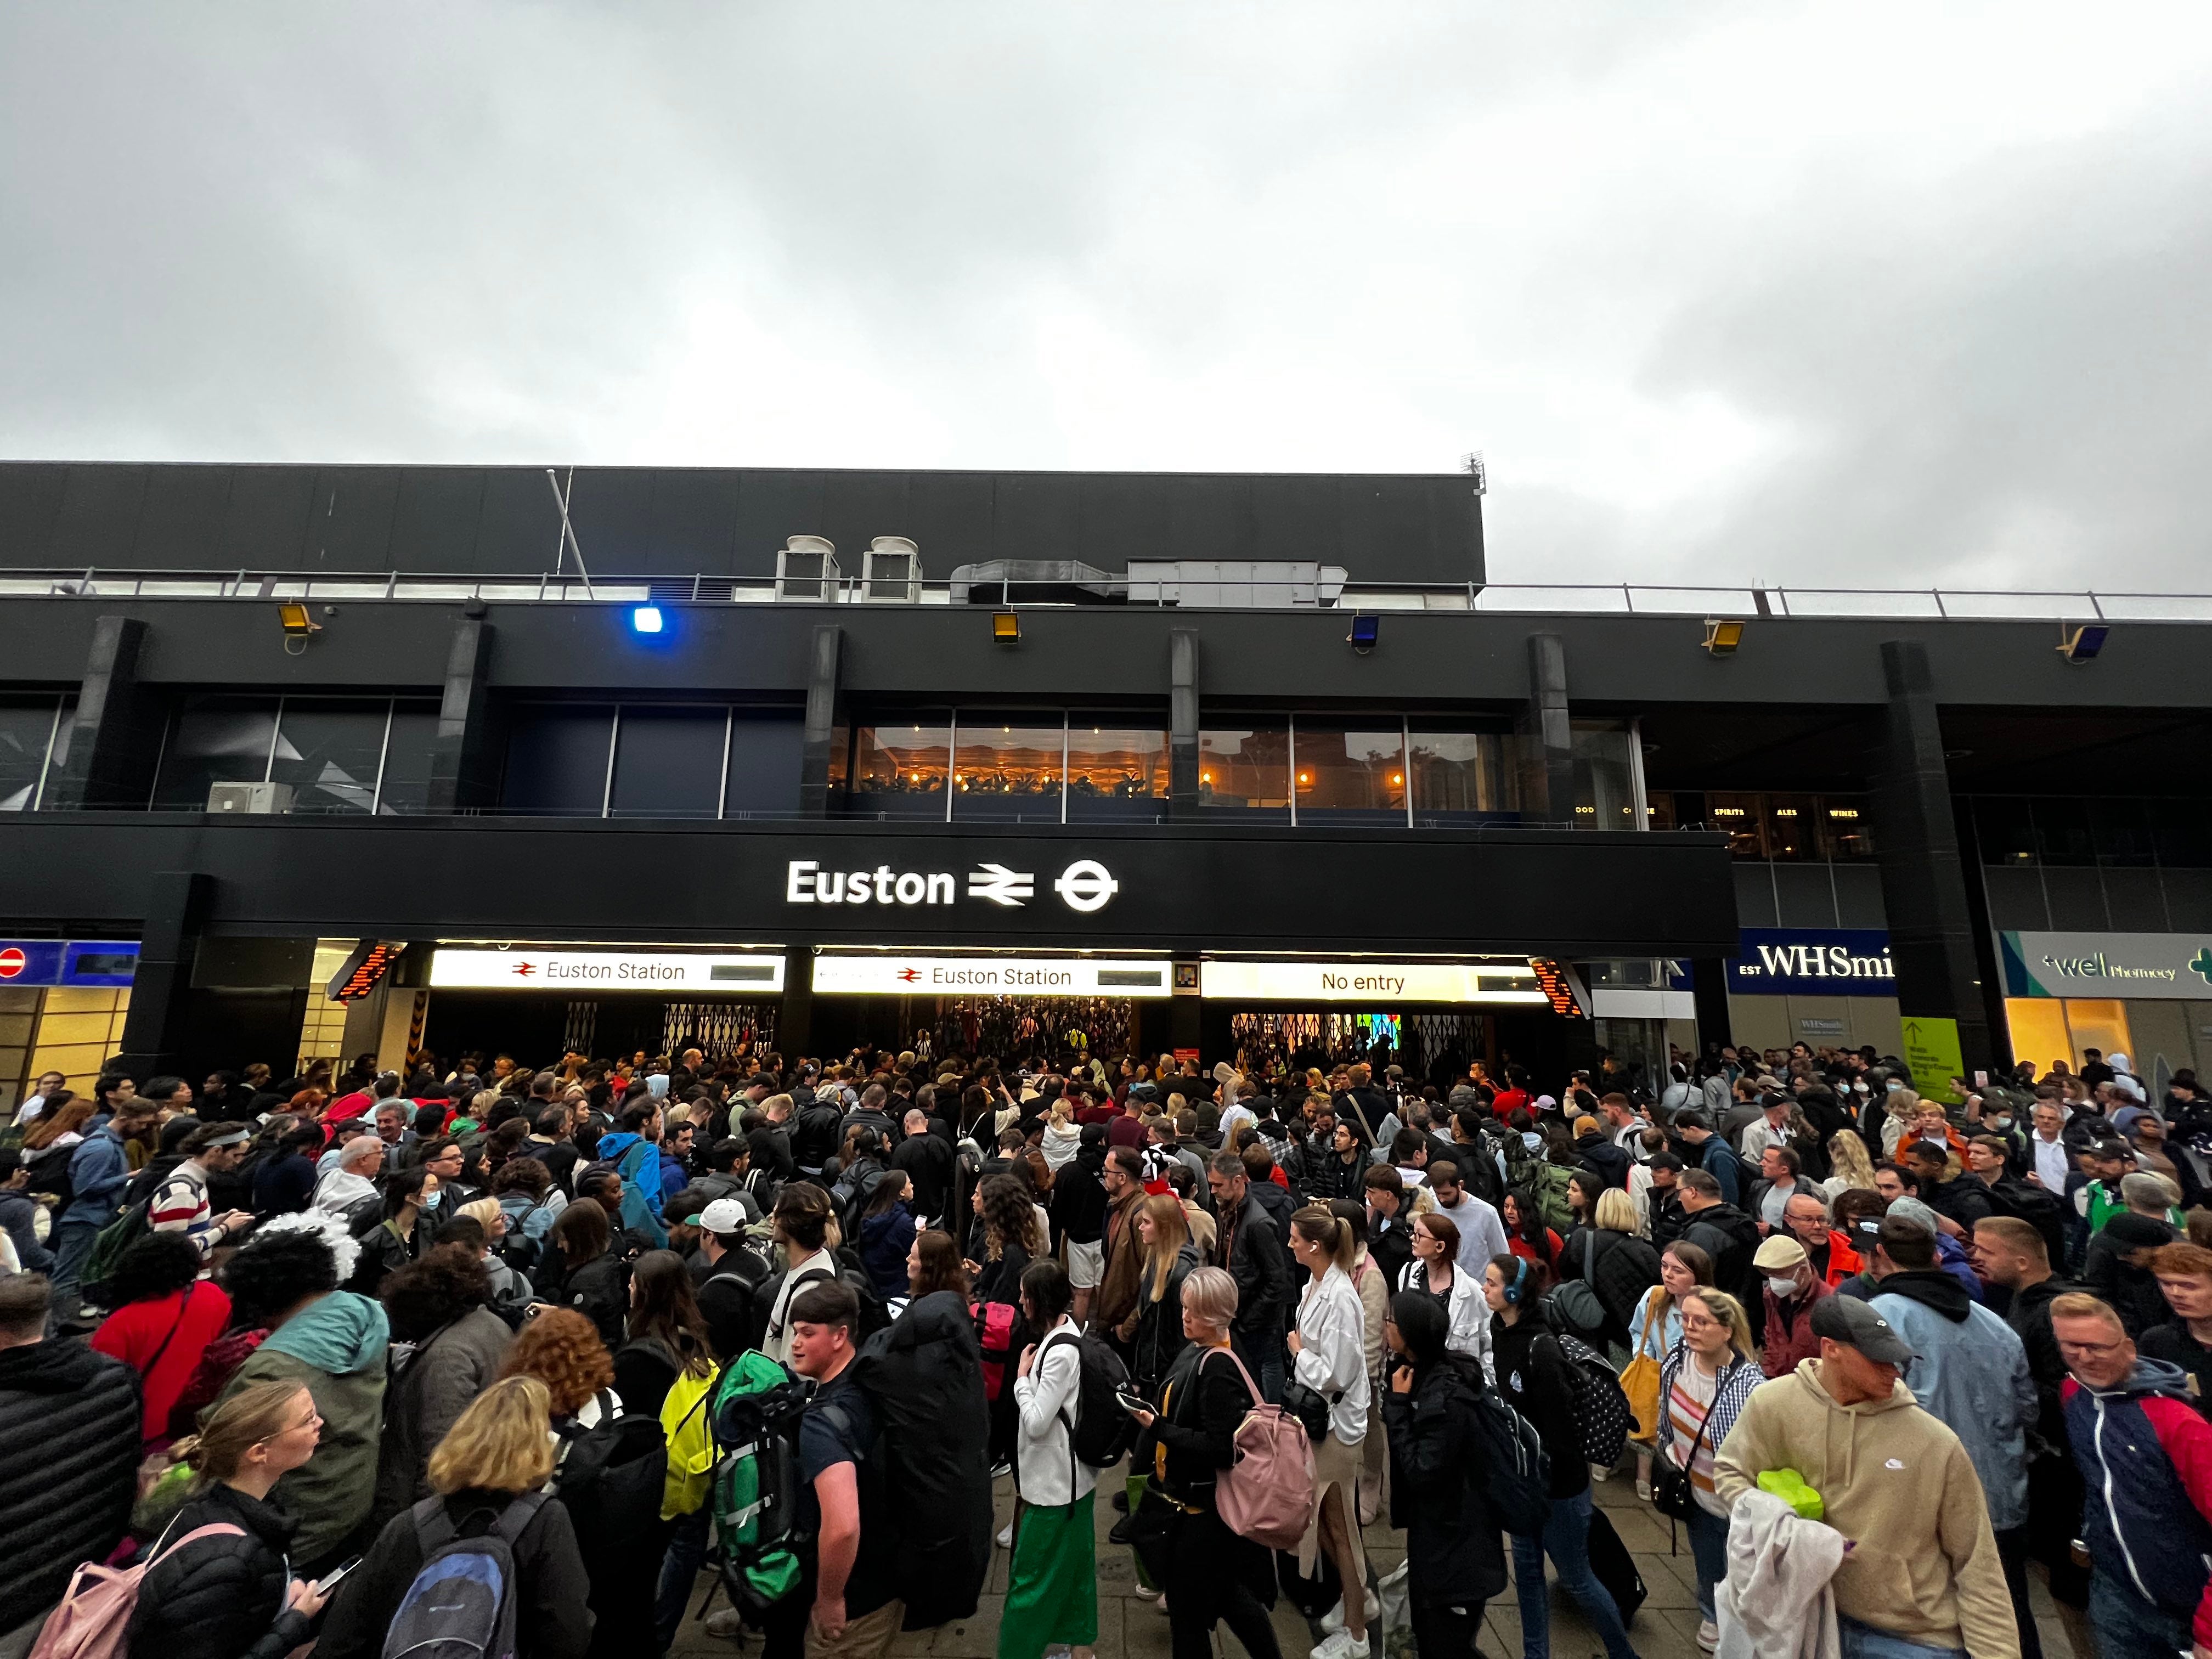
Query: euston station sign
pixel 1024 977
pixel 1084 886
pixel 1353 980
pixel 523 969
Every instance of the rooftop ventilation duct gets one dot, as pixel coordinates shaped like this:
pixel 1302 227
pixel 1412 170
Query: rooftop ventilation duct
pixel 1034 581
pixel 1234 584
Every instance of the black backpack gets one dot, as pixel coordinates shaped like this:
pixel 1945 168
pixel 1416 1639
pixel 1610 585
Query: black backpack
pixel 1518 1479
pixel 875 1315
pixel 461 1603
pixel 610 1478
pixel 1103 1432
pixel 814 1136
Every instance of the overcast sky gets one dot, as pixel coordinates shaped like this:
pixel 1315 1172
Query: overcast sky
pixel 1857 294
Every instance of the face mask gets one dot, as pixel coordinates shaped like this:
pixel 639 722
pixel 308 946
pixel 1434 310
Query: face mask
pixel 1784 1288
pixel 2000 1124
pixel 1894 1086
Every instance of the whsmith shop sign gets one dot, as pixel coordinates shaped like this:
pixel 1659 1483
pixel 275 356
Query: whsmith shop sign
pixel 2172 967
pixel 1775 962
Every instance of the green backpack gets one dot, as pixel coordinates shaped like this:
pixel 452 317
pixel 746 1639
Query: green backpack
pixel 756 1491
pixel 109 1244
pixel 1551 1195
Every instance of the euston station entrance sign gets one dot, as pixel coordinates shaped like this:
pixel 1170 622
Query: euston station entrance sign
pixel 523 969
pixel 1020 977
pixel 1352 981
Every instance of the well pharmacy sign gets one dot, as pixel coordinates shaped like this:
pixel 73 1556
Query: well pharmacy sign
pixel 2167 966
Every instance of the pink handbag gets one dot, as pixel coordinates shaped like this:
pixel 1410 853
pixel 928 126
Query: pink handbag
pixel 1267 1494
pixel 94 1618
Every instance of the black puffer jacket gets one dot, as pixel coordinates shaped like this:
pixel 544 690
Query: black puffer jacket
pixel 220 1598
pixel 69 1465
pixel 1440 1479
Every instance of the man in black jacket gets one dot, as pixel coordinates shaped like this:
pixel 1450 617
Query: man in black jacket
pixel 57 1397
pixel 928 1160
pixel 1258 1260
pixel 1964 1200
pixel 1730 1237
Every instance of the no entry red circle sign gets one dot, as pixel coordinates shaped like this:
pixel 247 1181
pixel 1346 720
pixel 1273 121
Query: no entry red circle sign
pixel 11 963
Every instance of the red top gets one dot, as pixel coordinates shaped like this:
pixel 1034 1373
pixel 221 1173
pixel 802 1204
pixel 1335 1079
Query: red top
pixel 134 1334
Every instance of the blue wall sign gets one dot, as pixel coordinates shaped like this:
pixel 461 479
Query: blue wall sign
pixel 1813 962
pixel 88 962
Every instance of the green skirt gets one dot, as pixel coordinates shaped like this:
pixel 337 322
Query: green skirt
pixel 1052 1589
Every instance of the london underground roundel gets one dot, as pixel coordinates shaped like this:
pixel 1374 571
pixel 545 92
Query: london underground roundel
pixel 1087 885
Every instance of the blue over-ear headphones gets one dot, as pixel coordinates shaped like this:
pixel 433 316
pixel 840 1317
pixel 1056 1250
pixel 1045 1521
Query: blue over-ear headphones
pixel 1520 1279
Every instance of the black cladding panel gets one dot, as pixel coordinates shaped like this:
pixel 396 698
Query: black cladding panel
pixel 30 502
pixel 611 510
pixel 349 518
pixel 433 523
pixel 1036 515
pixel 694 518
pixel 98 523
pixel 182 525
pixel 267 525
pixel 520 525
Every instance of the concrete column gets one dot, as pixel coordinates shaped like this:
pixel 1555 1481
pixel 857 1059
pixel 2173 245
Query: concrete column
pixel 821 722
pixel 1923 884
pixel 115 739
pixel 1547 743
pixel 1182 723
pixel 154 1031
pixel 464 762
pixel 794 1020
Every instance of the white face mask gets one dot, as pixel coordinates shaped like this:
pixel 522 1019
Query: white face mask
pixel 1784 1288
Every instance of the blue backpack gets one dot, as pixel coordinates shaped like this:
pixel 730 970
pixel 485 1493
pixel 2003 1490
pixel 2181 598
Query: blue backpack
pixel 461 1603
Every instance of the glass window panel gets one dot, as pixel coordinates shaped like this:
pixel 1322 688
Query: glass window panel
pixel 668 762
pixel 556 760
pixel 2039 1031
pixel 26 728
pixel 1464 778
pixel 406 787
pixel 327 749
pixel 2098 1023
pixel 1605 776
pixel 1846 826
pixel 1117 770
pixel 1742 819
pixel 899 770
pixel 2181 829
pixel 765 750
pixel 1350 772
pixel 1662 809
pixel 1245 771
pixel 213 740
pixel 1007 769
pixel 1793 828
pixel 2062 831
pixel 2120 831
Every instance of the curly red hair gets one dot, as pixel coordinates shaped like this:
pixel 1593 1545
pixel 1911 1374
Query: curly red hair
pixel 562 1349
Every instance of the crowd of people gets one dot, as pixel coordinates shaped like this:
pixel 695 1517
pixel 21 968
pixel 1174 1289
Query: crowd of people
pixel 301 1349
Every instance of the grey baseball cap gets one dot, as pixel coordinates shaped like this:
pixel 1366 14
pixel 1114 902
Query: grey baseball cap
pixel 1846 1319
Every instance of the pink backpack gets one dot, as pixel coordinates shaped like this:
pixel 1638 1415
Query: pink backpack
pixel 1267 1494
pixel 94 1618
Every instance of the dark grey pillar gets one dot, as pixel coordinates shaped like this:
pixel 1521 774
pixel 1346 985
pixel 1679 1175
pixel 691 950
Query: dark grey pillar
pixel 794 1020
pixel 821 722
pixel 1709 990
pixel 115 739
pixel 154 1031
pixel 1182 723
pixel 464 769
pixel 1548 740
pixel 1924 885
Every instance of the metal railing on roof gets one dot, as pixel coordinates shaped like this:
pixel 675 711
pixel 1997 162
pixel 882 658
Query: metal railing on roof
pixel 1624 600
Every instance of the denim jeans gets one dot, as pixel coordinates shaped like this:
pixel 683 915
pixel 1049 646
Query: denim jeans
pixel 679 1574
pixel 2125 1623
pixel 1865 1642
pixel 1566 1541
pixel 72 1244
pixel 1709 1549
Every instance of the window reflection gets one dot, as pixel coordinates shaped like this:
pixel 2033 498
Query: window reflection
pixel 1604 775
pixel 1007 769
pixel 1463 778
pixel 1245 771
pixel 1348 775
pixel 1115 774
pixel 899 771
pixel 215 740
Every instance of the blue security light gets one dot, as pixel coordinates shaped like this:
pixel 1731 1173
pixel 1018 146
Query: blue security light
pixel 2082 644
pixel 1365 631
pixel 645 619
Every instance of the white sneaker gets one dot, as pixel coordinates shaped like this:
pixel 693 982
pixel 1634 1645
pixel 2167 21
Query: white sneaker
pixel 1333 1620
pixel 1340 1646
pixel 1006 1536
pixel 727 1624
pixel 1709 1635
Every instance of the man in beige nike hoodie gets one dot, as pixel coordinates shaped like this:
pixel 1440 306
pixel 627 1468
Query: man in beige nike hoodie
pixel 1893 1479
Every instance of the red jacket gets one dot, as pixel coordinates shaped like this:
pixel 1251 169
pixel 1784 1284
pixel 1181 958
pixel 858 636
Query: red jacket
pixel 1842 1260
pixel 1785 1347
pixel 135 1334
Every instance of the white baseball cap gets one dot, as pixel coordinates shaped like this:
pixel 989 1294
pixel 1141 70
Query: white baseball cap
pixel 723 1216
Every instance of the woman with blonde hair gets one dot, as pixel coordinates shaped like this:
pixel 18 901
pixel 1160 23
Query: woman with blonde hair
pixel 486 1476
pixel 233 1594
pixel 1847 1158
pixel 1154 1328
pixel 1328 1355
pixel 1702 1388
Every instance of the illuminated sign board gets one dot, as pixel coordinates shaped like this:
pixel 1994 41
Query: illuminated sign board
pixel 523 969
pixel 88 962
pixel 992 976
pixel 1355 980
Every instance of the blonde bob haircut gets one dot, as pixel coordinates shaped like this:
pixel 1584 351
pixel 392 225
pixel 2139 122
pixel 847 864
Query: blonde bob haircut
pixel 503 1442
pixel 1615 1211
pixel 1209 1295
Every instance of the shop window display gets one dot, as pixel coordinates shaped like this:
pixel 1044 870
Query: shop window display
pixel 900 770
pixel 1007 769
